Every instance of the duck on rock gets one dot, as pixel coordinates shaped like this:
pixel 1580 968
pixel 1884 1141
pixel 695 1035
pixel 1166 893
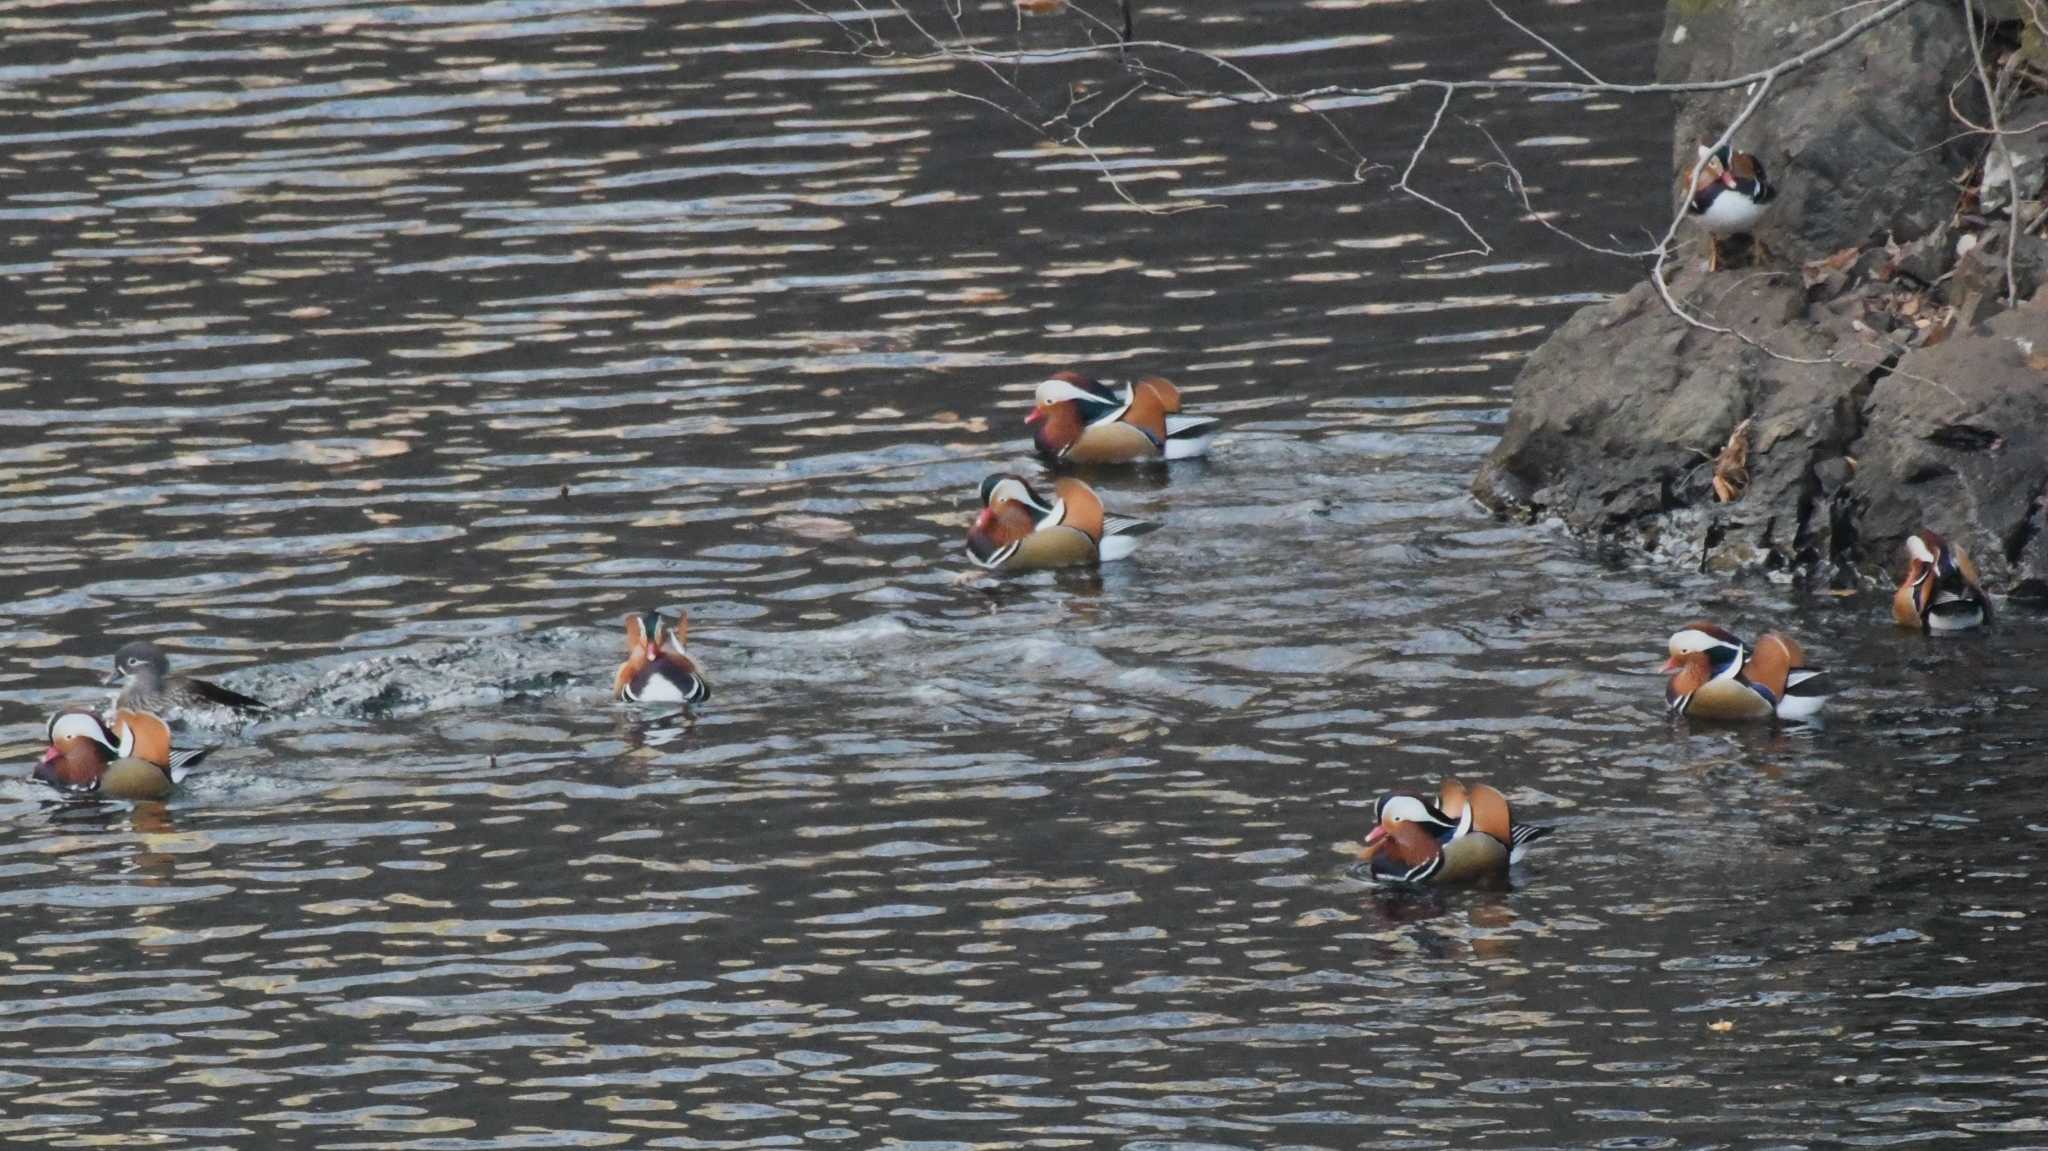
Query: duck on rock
pixel 1728 196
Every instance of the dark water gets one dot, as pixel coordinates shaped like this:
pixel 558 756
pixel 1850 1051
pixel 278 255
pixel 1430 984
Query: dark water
pixel 377 359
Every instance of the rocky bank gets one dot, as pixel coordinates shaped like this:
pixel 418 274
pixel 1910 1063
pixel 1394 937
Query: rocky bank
pixel 1887 383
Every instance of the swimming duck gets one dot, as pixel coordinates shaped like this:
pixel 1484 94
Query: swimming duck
pixel 1940 592
pixel 1019 531
pixel 1715 676
pixel 1090 421
pixel 658 669
pixel 1468 835
pixel 144 673
pixel 1728 196
pixel 134 761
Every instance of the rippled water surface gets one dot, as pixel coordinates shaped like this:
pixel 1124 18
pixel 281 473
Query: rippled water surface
pixel 378 359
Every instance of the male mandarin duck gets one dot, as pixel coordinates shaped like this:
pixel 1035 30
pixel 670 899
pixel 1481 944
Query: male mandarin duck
pixel 1728 195
pixel 658 669
pixel 1091 421
pixel 134 761
pixel 144 673
pixel 1019 531
pixel 1940 592
pixel 1468 835
pixel 1715 676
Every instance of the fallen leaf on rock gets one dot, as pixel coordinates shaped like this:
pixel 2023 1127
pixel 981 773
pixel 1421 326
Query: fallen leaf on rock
pixel 1731 467
pixel 1817 271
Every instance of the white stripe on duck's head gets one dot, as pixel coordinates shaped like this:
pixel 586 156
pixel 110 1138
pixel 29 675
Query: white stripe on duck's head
pixel 139 658
pixel 1932 550
pixel 643 631
pixel 1704 644
pixel 1694 638
pixel 1401 806
pixel 1003 486
pixel 1066 387
pixel 79 724
pixel 1393 809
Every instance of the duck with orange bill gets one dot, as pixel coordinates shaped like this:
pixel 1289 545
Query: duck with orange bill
pixel 1466 835
pixel 1020 530
pixel 1714 675
pixel 1083 420
pixel 1940 591
pixel 131 760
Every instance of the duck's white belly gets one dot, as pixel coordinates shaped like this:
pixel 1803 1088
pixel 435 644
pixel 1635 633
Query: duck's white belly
pixel 1731 213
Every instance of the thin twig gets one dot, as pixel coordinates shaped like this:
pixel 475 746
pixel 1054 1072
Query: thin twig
pixel 1520 189
pixel 1552 48
pixel 1415 158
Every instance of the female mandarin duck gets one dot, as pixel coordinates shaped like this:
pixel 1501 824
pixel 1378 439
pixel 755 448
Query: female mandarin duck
pixel 1715 676
pixel 1090 421
pixel 1728 196
pixel 135 761
pixel 1940 592
pixel 1469 835
pixel 144 673
pixel 658 669
pixel 1018 531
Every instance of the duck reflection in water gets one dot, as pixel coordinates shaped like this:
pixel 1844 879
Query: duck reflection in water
pixel 1459 926
pixel 654 729
pixel 147 820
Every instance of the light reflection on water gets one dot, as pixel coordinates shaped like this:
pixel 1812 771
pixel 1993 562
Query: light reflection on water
pixel 378 359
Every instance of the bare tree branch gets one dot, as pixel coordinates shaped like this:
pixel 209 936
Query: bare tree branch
pixel 2012 172
pixel 1247 89
pixel 1548 46
pixel 1520 189
pixel 1415 158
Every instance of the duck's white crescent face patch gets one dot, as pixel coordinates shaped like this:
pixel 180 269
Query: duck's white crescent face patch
pixel 1693 640
pixel 1060 391
pixel 1404 807
pixel 1010 490
pixel 1918 549
pixel 74 725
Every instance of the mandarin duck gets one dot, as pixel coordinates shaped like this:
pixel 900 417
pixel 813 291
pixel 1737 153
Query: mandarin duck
pixel 1468 835
pixel 1940 592
pixel 1092 421
pixel 1714 675
pixel 658 669
pixel 1019 531
pixel 134 761
pixel 144 673
pixel 1728 195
